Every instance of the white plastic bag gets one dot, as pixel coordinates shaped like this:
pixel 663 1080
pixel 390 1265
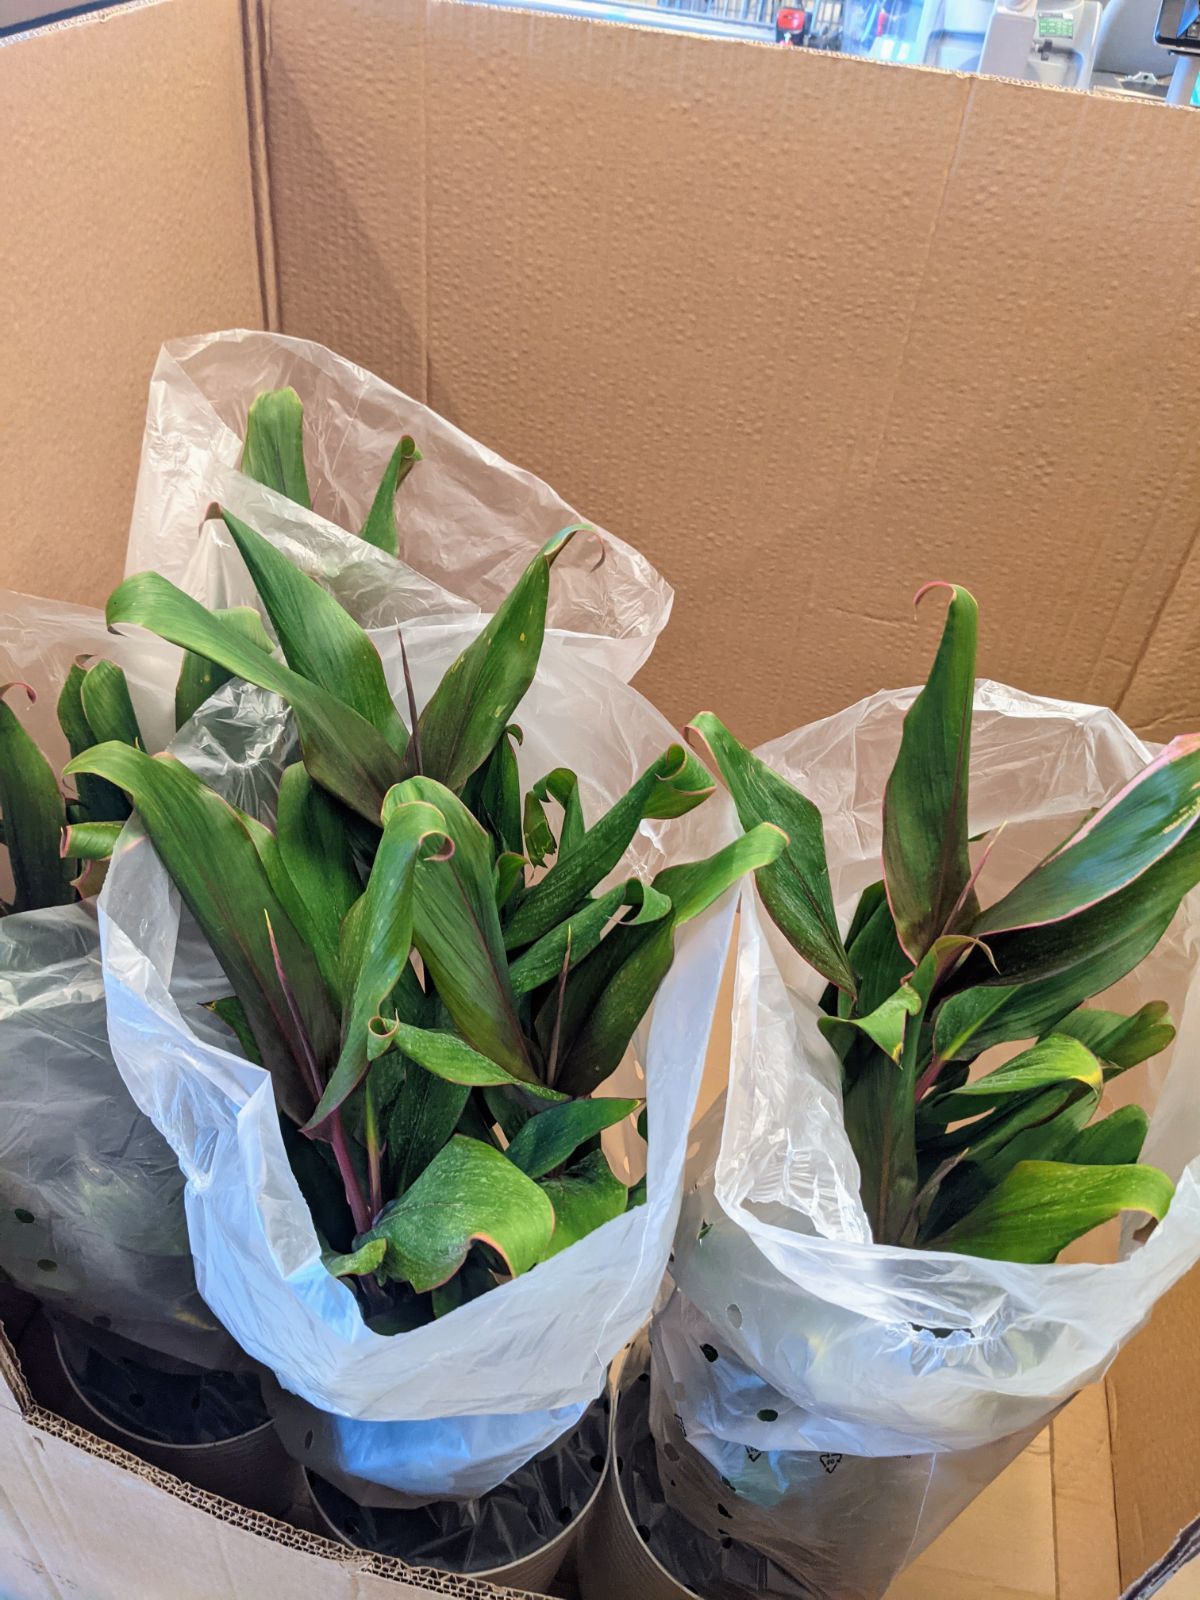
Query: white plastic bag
pixel 91 1197
pixel 539 1344
pixel 469 522
pixel 855 1396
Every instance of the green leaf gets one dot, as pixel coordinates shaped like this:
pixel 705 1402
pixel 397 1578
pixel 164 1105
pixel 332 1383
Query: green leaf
pixel 344 752
pixel 421 1120
pixel 599 1025
pixel 1048 1063
pixel 320 640
pixel 456 928
pixel 539 836
pixel 469 1192
pixel 104 695
pixel 1121 1041
pixel 1107 939
pixel 552 1136
pixel 233 1014
pixel 543 961
pixel 693 886
pixel 1043 1205
pixel 447 1056
pixel 376 942
pixel 674 785
pixel 199 678
pixel 90 841
pixel 474 702
pixel 101 801
pixel 359 1263
pixel 500 794
pixel 274 449
pixel 509 872
pixel 318 881
pixel 1140 825
pixel 925 862
pixel 1114 1141
pixel 34 816
pixel 562 785
pixel 795 888
pixel 206 848
pixel 584 1197
pixel 380 527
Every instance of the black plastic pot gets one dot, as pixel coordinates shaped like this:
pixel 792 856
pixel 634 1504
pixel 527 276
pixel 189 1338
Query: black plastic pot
pixel 549 1502
pixel 210 1429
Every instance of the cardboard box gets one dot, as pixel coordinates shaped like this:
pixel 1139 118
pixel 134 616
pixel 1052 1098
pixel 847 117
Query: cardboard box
pixel 806 329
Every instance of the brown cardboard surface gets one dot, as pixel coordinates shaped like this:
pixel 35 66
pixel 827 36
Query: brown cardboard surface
pixel 1154 1421
pixel 126 214
pixel 807 330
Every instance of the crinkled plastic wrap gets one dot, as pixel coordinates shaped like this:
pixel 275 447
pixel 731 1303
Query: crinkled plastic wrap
pixel 256 1253
pixel 519 1517
pixel 469 521
pixel 794 1347
pixel 91 1196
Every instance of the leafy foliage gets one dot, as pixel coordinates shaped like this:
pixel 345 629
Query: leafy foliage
pixel 1005 1162
pixel 420 950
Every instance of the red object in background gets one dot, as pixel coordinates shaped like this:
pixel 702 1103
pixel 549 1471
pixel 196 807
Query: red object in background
pixel 789 20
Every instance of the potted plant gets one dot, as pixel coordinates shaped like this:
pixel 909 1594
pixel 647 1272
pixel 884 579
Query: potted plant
pixel 925 1110
pixel 433 963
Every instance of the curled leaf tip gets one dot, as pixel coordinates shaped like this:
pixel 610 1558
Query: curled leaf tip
pixel 934 583
pixel 447 850
pixel 19 683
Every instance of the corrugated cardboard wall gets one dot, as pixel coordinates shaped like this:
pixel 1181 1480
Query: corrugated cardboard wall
pixel 807 330
pixel 125 219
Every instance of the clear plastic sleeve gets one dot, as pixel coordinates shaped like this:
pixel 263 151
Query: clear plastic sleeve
pixel 468 521
pixel 820 1374
pixel 256 1253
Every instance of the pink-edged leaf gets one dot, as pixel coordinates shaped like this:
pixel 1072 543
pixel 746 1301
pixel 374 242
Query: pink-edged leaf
pixel 1141 824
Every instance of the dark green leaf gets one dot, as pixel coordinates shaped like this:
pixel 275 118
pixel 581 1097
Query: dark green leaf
pixel 795 889
pixel 925 861
pixel 609 1018
pixel 447 1056
pixel 320 640
pixel 540 843
pixel 104 694
pixel 584 1197
pixel 233 1014
pixel 380 526
pixel 548 1139
pixel 469 1192
pixel 509 873
pixel 1140 825
pixel 316 858
pixel 376 941
pixel 422 1118
pixel 457 930
pixel 1114 1141
pixel 1043 1205
pixel 674 785
pixel 562 785
pixel 101 802
pixel 34 816
pixel 206 848
pixel 543 961
pixel 274 450
pixel 199 678
pixel 343 751
pixel 474 702
pixel 1118 1040
pixel 500 794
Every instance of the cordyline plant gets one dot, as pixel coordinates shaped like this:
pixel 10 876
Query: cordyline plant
pixel 435 1014
pixel 1005 1163
pixel 58 844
